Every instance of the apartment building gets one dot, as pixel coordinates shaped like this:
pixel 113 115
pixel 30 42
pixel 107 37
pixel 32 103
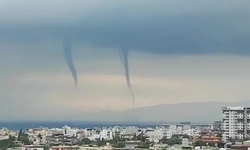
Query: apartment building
pixel 155 135
pixel 235 122
pixel 106 134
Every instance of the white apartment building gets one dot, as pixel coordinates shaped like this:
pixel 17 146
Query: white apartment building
pixel 186 127
pixel 155 135
pixel 172 127
pixel 130 130
pixel 88 132
pixel 189 132
pixel 179 130
pixel 106 134
pixel 236 122
pixel 169 133
pixel 70 131
pixel 55 131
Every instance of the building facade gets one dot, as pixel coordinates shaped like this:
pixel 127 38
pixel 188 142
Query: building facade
pixel 217 126
pixel 235 122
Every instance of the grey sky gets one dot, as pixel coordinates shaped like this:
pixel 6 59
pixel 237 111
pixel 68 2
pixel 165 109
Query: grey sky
pixel 209 40
pixel 162 26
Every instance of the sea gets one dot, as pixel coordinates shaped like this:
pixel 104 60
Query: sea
pixel 17 125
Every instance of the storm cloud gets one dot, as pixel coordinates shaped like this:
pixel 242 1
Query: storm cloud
pixel 162 27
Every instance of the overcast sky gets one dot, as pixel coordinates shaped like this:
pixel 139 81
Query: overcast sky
pixel 180 51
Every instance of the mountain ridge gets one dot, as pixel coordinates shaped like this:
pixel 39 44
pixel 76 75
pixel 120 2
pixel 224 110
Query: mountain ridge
pixel 177 112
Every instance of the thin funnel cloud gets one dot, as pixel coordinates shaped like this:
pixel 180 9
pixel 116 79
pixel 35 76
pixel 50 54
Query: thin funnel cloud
pixel 124 59
pixel 68 56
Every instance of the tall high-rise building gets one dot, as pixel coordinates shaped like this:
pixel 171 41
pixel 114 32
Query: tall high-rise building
pixel 235 122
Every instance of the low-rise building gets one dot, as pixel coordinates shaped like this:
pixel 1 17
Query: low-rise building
pixel 28 147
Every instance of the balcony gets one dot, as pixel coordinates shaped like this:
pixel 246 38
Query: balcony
pixel 240 116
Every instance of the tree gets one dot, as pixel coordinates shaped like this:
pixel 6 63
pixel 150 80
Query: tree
pixel 199 143
pixel 98 131
pixel 176 136
pixel 86 141
pixel 7 143
pixel 116 139
pixel 25 139
pixel 185 136
pixel 171 141
pixel 134 137
pixel 40 136
pixel 219 135
pixel 119 145
pixel 46 148
pixel 98 142
pixel 164 140
pixel 20 134
pixel 12 138
pixel 144 145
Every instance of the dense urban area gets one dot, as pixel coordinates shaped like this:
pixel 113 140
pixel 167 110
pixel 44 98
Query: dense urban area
pixel 232 132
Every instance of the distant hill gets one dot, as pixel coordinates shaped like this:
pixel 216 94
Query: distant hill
pixel 200 112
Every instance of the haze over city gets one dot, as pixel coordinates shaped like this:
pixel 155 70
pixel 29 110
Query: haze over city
pixel 179 52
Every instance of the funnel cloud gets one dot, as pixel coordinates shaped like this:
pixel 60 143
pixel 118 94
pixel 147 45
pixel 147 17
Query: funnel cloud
pixel 124 52
pixel 68 56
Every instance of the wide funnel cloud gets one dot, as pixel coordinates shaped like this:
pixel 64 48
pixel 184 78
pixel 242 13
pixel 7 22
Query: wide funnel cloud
pixel 68 56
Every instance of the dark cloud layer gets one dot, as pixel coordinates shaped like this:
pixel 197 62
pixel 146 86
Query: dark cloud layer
pixel 212 27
